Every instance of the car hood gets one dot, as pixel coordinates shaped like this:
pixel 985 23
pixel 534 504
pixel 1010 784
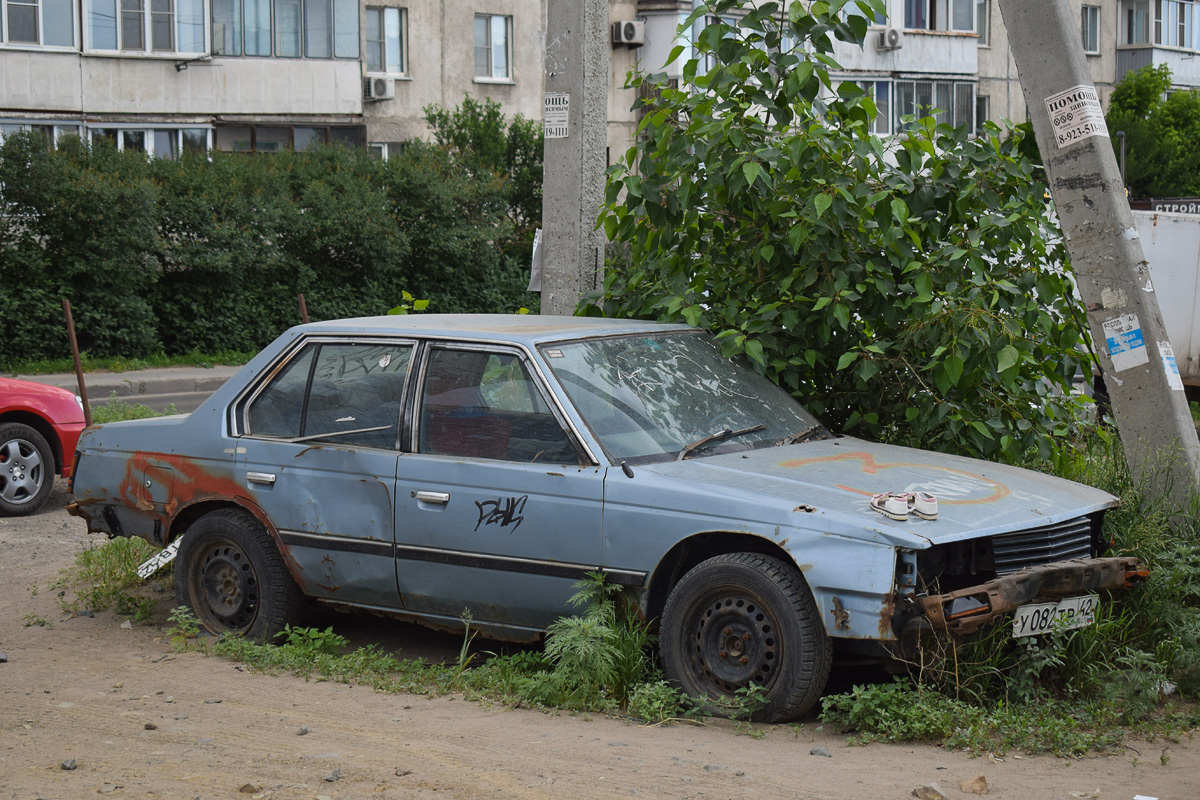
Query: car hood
pixel 835 478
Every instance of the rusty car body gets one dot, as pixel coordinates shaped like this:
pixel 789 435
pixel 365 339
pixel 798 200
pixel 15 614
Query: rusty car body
pixel 423 465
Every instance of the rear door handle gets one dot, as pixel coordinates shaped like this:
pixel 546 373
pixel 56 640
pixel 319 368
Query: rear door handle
pixel 441 498
pixel 267 478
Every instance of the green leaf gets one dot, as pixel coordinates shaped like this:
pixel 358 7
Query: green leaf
pixel 953 367
pixel 751 169
pixel 846 360
pixel 822 203
pixel 1007 358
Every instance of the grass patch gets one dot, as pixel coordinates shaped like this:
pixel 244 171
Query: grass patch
pixel 106 577
pixel 192 359
pixel 117 410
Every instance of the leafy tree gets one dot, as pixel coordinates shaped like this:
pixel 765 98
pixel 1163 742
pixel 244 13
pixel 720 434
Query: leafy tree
pixel 910 290
pixel 1162 134
pixel 477 133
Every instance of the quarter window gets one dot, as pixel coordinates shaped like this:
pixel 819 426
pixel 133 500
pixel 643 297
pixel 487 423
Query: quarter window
pixel 385 40
pixel 491 47
pixel 47 23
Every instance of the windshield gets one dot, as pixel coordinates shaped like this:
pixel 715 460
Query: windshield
pixel 654 397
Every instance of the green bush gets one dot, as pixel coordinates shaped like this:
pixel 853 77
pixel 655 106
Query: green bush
pixel 209 253
pixel 910 290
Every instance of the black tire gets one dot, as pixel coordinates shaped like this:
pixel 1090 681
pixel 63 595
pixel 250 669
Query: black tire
pixel 745 618
pixel 26 469
pixel 232 577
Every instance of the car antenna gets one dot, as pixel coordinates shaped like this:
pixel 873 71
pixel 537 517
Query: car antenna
pixel 628 470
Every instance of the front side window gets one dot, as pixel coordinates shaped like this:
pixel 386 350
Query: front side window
pixel 666 396
pixel 491 47
pixel 342 393
pixel 485 405
pixel 1089 28
pixel 385 40
pixel 42 23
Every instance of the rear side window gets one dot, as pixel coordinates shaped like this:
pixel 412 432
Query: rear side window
pixel 347 393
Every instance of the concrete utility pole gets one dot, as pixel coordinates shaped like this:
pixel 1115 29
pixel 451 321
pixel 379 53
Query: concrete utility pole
pixel 1114 279
pixel 576 124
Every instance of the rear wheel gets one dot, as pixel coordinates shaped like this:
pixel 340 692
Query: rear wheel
pixel 232 577
pixel 26 469
pixel 745 619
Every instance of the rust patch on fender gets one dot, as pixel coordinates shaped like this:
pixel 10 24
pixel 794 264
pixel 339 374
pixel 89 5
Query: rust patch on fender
pixel 885 616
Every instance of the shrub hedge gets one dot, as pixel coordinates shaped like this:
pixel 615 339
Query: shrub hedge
pixel 210 253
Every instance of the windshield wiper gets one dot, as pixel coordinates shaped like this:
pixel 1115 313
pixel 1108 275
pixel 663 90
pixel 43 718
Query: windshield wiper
pixel 802 436
pixel 716 437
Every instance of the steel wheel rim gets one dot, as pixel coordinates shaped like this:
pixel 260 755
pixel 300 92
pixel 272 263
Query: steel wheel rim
pixel 226 586
pixel 21 471
pixel 733 641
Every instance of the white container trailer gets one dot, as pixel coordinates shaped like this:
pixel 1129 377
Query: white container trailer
pixel 1171 243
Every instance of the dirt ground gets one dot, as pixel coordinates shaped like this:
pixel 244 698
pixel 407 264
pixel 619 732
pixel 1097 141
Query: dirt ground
pixel 140 721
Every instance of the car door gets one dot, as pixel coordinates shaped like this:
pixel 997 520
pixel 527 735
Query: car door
pixel 498 512
pixel 318 454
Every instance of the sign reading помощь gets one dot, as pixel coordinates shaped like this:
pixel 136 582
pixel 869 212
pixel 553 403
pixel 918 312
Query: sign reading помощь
pixel 1076 115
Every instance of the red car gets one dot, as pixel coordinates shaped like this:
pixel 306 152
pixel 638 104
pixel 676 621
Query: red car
pixel 39 427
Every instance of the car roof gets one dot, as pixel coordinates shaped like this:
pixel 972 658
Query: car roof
pixel 530 329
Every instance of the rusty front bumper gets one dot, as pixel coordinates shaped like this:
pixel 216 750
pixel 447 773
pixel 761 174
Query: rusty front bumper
pixel 967 610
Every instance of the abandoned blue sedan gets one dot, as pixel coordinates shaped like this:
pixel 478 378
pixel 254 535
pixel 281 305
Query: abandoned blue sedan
pixel 425 465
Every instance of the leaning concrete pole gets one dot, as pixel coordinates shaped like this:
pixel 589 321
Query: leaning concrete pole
pixel 576 126
pixel 1114 280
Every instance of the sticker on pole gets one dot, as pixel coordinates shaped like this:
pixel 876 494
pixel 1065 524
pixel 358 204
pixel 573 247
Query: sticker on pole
pixel 1076 115
pixel 1126 344
pixel 556 115
pixel 1170 367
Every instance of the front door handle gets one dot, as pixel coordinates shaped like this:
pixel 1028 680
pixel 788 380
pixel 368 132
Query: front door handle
pixel 441 498
pixel 266 478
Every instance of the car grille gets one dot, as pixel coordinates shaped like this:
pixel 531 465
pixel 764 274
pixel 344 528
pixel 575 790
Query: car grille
pixel 1061 542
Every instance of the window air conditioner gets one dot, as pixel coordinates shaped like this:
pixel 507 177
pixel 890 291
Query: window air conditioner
pixel 890 39
pixel 629 33
pixel 379 88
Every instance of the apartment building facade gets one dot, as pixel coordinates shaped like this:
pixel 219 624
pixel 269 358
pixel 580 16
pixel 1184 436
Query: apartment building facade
pixel 165 76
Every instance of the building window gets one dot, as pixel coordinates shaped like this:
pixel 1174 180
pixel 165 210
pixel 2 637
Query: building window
pixel 285 28
pixel 156 142
pixel 881 93
pixel 39 23
pixel 1176 24
pixel 940 15
pixel 51 131
pixel 983 25
pixel 982 113
pixel 385 40
pixel 145 26
pixel 949 102
pixel 1135 21
pixel 1089 28
pixel 491 47
pixel 274 138
pixel 385 150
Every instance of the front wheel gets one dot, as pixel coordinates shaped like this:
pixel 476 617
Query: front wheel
pixel 741 619
pixel 232 577
pixel 26 469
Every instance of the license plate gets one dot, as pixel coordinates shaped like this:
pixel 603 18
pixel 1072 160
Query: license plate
pixel 164 556
pixel 1068 613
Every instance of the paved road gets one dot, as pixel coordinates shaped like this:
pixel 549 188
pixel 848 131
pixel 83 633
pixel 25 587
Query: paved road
pixel 185 387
